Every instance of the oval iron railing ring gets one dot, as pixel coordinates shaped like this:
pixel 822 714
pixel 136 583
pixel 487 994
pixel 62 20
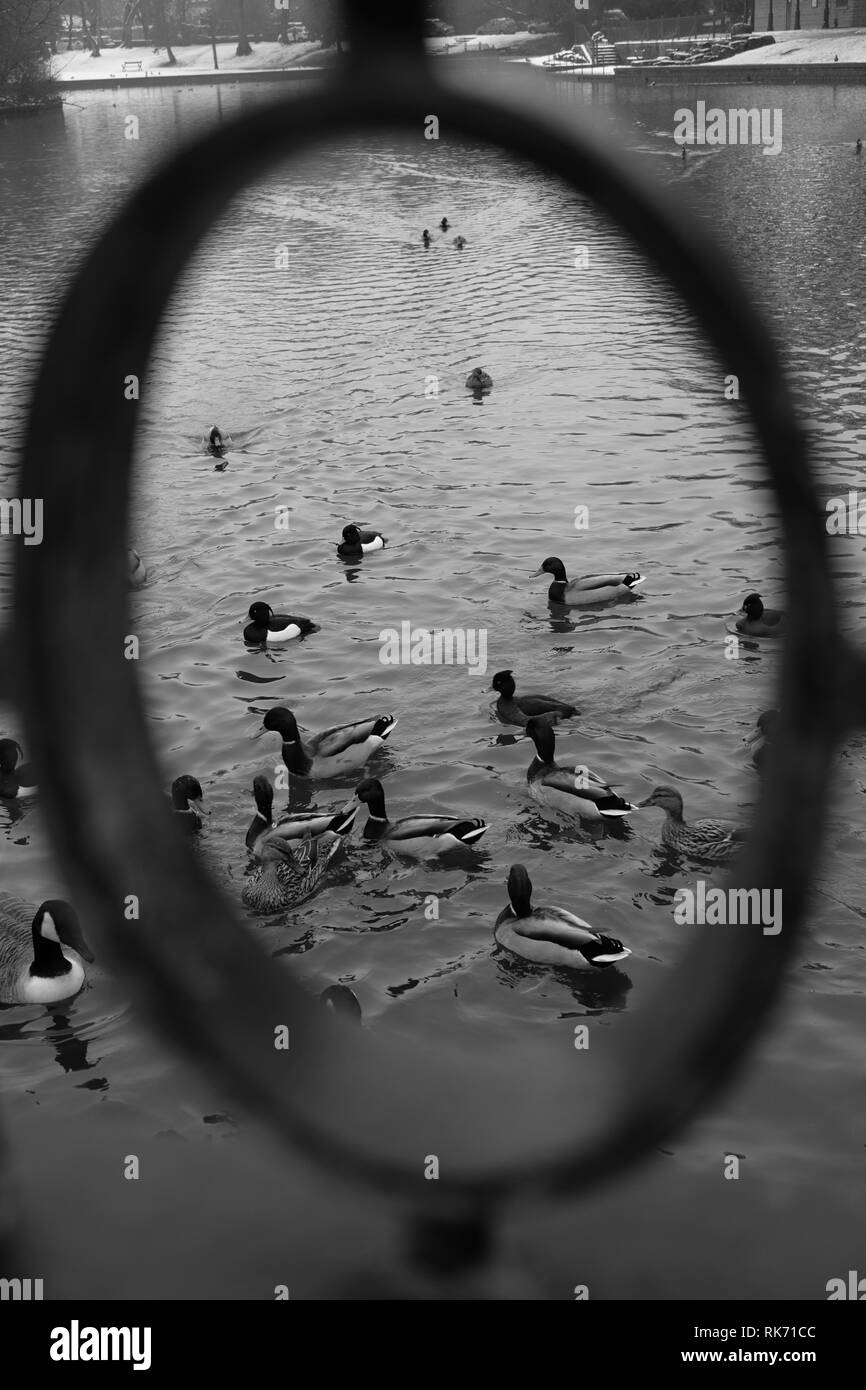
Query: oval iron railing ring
pixel 510 1124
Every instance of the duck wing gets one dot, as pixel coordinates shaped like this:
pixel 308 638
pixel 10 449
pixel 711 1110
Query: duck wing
pixel 562 928
pixel 334 741
pixel 16 929
pixel 544 704
pixel 418 827
pixel 589 582
pixel 589 787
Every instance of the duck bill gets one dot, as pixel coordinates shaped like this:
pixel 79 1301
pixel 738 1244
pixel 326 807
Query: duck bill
pixel 639 805
pixel 198 806
pixel 753 738
pixel 535 573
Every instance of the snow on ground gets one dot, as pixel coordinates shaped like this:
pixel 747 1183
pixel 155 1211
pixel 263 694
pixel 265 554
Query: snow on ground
pixel 190 58
pixel 806 46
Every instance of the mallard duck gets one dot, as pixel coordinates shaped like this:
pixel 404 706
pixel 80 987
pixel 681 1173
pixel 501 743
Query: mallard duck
pixel 444 224
pixel 358 541
pixel 518 709
pixel 136 569
pixel 577 793
pixel 592 588
pixel 342 749
pixel 426 237
pixel 758 621
pixel 421 837
pixel 17 780
pixel 187 802
pixel 41 954
pixel 339 999
pixel 288 871
pixel 296 825
pixel 763 734
pixel 550 935
pixel 706 839
pixel 479 380
pixel 270 627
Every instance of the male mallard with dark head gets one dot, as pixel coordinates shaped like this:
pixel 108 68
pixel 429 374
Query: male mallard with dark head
pixel 519 709
pixel 550 935
pixel 420 837
pixel 342 749
pixel 592 588
pixel 187 802
pixel 579 792
pixel 295 826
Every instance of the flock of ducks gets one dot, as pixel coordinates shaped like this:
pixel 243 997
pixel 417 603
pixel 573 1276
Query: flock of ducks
pixel 42 953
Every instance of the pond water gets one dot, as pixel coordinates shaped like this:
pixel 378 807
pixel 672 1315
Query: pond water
pixel 332 346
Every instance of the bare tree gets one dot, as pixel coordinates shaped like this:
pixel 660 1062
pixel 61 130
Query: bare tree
pixel 244 48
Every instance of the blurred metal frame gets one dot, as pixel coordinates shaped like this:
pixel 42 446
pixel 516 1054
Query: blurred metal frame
pixel 529 1122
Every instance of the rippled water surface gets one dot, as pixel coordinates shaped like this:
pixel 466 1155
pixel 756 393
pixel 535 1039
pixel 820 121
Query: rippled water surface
pixel 319 333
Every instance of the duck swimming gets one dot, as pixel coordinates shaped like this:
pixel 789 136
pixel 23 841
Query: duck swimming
pixel 759 621
pixel 479 380
pixel 41 954
pixel 578 793
pixel 296 825
pixel 288 873
pixel 763 735
pixel 215 442
pixel 343 749
pixel 421 837
pixel 426 237
pixel 357 542
pixel 593 588
pixel 444 224
pixel 706 839
pixel 550 935
pixel 460 242
pixel 17 780
pixel 186 802
pixel 520 709
pixel 136 569
pixel 268 627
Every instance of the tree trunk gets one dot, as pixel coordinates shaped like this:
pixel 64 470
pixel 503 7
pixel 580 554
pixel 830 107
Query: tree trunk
pixel 244 48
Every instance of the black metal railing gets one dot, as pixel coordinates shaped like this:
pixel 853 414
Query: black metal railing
pixel 369 1111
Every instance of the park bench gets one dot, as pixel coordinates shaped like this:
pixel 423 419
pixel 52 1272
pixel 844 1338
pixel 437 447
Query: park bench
pixel 132 67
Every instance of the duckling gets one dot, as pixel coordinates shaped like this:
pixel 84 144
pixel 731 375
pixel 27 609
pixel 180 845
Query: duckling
pixel 758 620
pixel 479 380
pixel 41 955
pixel 762 736
pixel 460 242
pixel 268 627
pixel 426 237
pixel 297 825
pixel 706 839
pixel 345 748
pixel 579 793
pixel 136 569
pixel 339 999
pixel 17 780
pixel 421 837
pixel 357 542
pixel 521 708
pixel 186 802
pixel 444 224
pixel 550 935
pixel 593 588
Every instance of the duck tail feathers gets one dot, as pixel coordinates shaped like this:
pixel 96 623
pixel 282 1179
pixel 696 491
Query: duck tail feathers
pixel 606 950
pixel 631 581
pixel 385 725
pixel 469 831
